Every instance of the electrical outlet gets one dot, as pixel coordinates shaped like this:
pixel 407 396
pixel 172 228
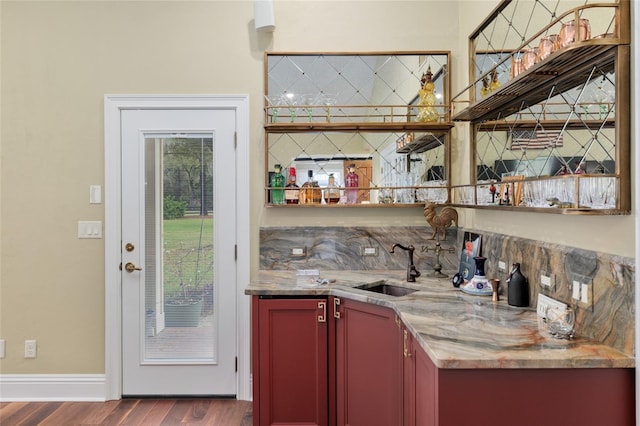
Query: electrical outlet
pixel 502 266
pixel 546 303
pixel 370 251
pixel 2 349
pixel 547 281
pixel 30 349
pixel 298 252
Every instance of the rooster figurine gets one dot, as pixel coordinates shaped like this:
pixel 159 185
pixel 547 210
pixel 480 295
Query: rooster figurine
pixel 440 221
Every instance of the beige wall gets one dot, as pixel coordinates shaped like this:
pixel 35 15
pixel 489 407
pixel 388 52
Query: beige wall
pixel 60 58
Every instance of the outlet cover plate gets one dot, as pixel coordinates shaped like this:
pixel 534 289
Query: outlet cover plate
pixel 298 252
pixel 369 251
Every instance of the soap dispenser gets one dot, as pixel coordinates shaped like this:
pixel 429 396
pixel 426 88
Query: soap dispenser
pixel 517 287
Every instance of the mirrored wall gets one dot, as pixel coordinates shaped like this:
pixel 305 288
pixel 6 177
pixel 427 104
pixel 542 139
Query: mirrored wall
pixel 383 116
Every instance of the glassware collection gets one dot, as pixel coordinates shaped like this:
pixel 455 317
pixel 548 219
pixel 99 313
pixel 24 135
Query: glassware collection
pixel 308 107
pixel 522 61
pixel 399 186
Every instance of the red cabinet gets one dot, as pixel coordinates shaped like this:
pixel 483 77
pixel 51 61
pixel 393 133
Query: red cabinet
pixel 419 384
pixel 325 361
pixel 503 397
pixel 329 361
pixel 290 362
pixel 368 365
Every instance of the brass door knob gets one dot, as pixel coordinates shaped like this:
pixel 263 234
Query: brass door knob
pixel 130 267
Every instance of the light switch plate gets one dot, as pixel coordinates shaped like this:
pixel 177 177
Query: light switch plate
pixel 89 229
pixel 575 290
pixel 582 291
pixel 95 194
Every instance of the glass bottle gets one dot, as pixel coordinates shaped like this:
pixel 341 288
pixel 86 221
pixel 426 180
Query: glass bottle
pixel 485 89
pixel 292 191
pixel 351 181
pixel 310 192
pixel 427 111
pixel 332 193
pixel 495 83
pixel 277 181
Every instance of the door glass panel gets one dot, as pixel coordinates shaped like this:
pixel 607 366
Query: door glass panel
pixel 178 290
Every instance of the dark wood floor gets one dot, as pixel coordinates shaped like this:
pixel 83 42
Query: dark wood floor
pixel 136 412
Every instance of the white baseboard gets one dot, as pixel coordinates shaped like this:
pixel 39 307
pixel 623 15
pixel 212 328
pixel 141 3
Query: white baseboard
pixel 52 387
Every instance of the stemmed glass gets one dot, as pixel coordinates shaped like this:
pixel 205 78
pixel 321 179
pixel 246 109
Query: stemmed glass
pixel 275 101
pixel 328 100
pixel 292 101
pixel 308 101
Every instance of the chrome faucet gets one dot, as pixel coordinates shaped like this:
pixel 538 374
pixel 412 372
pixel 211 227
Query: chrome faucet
pixel 412 272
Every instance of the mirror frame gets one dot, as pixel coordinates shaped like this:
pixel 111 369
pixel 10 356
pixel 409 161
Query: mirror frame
pixel 397 120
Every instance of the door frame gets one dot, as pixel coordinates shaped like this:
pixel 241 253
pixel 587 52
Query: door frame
pixel 113 105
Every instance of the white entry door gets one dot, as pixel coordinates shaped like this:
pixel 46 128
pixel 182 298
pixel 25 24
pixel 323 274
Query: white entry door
pixel 178 252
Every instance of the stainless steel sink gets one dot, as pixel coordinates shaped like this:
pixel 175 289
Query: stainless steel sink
pixel 388 289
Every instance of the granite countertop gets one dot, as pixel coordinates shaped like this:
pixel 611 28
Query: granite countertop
pixel 457 330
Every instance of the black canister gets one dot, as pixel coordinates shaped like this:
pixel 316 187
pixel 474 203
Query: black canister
pixel 518 287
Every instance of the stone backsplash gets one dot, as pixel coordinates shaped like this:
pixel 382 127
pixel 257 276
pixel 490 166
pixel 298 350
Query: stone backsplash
pixel 610 279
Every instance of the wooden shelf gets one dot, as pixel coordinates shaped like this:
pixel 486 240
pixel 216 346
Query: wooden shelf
pixel 563 70
pixel 566 211
pixel 423 143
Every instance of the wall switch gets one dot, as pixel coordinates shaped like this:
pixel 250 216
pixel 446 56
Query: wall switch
pixel 585 294
pixel 370 251
pixel 502 266
pixel 2 349
pixel 89 229
pixel 30 349
pixel 95 194
pixel 575 290
pixel 298 252
pixel 582 291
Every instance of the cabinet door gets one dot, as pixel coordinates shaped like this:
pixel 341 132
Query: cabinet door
pixel 368 365
pixel 422 393
pixel 292 362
